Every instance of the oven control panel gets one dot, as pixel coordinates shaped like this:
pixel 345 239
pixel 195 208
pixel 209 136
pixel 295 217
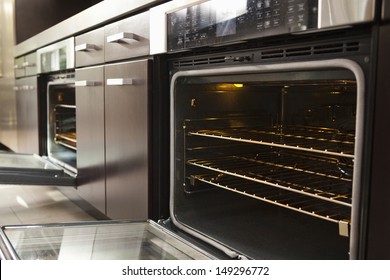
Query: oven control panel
pixel 222 22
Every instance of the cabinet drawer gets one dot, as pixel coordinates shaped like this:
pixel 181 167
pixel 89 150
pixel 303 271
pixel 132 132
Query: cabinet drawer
pixel 19 68
pixel 89 48
pixel 127 38
pixel 30 64
pixel 26 65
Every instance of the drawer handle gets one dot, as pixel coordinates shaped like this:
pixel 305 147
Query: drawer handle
pixel 121 37
pixel 86 48
pixel 29 64
pixel 17 67
pixel 86 83
pixel 120 82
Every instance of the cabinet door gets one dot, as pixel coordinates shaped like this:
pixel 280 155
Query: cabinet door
pixel 90 136
pixel 127 139
pixel 27 115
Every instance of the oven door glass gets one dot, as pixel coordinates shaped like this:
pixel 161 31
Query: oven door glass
pixel 104 240
pixel 32 170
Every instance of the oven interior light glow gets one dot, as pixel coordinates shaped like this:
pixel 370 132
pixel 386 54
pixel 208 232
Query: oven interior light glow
pixel 228 86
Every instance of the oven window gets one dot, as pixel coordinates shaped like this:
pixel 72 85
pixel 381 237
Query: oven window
pixel 267 155
pixel 62 139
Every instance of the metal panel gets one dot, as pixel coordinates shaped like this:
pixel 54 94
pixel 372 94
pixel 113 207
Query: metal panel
pixel 127 138
pixel 90 136
pixel 127 38
pixel 344 12
pixel 19 68
pixel 30 64
pixel 27 115
pixel 89 48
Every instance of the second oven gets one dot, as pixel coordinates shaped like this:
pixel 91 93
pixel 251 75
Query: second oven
pixel 61 120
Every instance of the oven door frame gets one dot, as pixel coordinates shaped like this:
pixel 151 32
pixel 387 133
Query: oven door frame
pixel 341 63
pixel 32 169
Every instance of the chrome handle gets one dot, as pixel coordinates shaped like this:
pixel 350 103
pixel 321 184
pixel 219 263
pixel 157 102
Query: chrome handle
pixel 29 64
pixel 86 83
pixel 86 48
pixel 24 88
pixel 17 67
pixel 120 82
pixel 122 37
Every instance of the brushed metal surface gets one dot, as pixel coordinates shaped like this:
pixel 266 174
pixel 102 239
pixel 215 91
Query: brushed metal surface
pixel 344 12
pixel 27 115
pixel 30 64
pixel 19 68
pixel 117 46
pixel 90 136
pixel 90 56
pixel 99 14
pixel 127 137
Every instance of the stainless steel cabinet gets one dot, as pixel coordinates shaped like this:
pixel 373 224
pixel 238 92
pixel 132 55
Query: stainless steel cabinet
pixel 127 139
pixel 27 104
pixel 127 38
pixel 26 65
pixel 90 135
pixel 27 115
pixel 89 48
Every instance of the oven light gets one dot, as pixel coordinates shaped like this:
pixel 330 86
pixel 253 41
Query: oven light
pixel 227 87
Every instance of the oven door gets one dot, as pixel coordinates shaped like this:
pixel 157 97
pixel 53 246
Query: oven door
pixel 102 240
pixel 31 169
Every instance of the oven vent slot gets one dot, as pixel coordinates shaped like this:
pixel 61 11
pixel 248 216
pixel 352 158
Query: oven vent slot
pixel 200 61
pixel 310 50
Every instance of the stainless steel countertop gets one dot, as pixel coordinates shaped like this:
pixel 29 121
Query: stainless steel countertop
pixel 101 13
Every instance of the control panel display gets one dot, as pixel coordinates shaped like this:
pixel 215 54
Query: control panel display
pixel 222 22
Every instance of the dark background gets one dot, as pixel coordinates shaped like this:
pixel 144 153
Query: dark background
pixel 34 16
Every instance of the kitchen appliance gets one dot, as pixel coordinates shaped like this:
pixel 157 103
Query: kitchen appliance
pixel 55 162
pixel 269 137
pixel 271 130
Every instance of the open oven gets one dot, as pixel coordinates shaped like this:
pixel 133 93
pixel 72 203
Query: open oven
pixel 56 163
pixel 270 138
pixel 268 153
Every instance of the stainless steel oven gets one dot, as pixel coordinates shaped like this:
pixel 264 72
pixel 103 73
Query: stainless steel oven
pixel 271 126
pixel 55 164
pixel 61 121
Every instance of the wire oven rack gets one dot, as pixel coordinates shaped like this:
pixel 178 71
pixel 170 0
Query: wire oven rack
pixel 309 172
pixel 65 126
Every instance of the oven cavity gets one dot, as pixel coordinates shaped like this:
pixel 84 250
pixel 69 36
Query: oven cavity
pixel 284 139
pixel 62 139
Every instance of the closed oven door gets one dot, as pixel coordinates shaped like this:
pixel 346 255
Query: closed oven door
pixel 266 158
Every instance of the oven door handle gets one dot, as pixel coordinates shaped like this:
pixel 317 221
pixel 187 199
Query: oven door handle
pixel 122 37
pixel 120 82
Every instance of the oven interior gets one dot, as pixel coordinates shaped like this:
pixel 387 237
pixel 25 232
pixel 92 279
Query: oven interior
pixel 62 140
pixel 264 162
